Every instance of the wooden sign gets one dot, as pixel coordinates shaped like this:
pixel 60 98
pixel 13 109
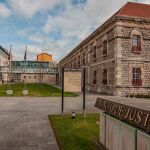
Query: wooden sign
pixel 72 81
pixel 132 115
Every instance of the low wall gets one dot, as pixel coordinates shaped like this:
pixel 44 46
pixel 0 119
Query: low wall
pixel 117 135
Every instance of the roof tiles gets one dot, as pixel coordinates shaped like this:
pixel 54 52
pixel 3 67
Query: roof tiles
pixel 135 10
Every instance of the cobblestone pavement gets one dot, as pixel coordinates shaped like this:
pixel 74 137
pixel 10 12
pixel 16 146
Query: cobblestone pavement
pixel 24 123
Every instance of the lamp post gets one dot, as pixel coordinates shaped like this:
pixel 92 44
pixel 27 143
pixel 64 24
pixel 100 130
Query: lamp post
pixel 73 115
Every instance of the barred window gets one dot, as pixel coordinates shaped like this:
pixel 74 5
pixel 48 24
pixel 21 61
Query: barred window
pixel 136 43
pixel 104 76
pixel 136 81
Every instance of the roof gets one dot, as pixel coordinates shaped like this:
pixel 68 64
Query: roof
pixel 43 53
pixel 4 50
pixel 135 10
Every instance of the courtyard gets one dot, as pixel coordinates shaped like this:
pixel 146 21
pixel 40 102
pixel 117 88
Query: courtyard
pixel 24 123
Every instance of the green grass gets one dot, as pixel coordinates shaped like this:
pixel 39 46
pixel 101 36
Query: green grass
pixel 35 89
pixel 81 133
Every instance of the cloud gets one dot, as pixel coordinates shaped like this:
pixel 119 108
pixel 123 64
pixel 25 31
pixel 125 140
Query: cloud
pixel 28 8
pixel 144 1
pixel 4 10
pixel 78 21
pixel 37 38
pixel 74 23
pixel 19 50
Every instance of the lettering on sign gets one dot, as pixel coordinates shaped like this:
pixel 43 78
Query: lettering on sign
pixel 135 116
pixel 72 81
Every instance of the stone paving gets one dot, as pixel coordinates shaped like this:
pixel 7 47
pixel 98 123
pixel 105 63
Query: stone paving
pixel 24 123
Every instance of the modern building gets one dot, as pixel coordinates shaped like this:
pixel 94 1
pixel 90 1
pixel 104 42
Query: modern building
pixel 3 62
pixel 44 57
pixel 34 72
pixel 44 70
pixel 117 55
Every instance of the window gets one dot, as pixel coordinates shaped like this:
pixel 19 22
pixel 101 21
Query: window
pixel 83 60
pixel 136 81
pixel 79 61
pixel 16 77
pixel 35 77
pixel 75 63
pixel 94 77
pixel 105 77
pixel 136 43
pixel 94 52
pixel 105 47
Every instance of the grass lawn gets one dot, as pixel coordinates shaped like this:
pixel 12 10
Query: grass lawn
pixel 35 89
pixel 81 133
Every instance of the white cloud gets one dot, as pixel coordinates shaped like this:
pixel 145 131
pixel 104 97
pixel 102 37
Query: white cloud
pixel 37 38
pixel 75 22
pixel 28 8
pixel 79 21
pixel 19 50
pixel 4 10
pixel 144 1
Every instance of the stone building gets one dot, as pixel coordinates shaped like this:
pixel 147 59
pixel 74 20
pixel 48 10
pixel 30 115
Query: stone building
pixel 117 55
pixel 3 62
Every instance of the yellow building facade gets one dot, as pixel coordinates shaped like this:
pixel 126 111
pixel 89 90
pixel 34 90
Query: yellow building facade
pixel 44 57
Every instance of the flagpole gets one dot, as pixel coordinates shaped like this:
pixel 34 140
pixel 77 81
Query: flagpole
pixel 25 67
pixel 10 66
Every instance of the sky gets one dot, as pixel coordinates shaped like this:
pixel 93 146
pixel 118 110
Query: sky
pixel 52 26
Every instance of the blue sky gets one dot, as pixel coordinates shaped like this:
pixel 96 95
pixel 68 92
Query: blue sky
pixel 54 26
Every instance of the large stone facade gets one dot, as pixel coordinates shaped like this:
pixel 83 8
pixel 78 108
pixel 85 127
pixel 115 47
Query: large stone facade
pixel 119 60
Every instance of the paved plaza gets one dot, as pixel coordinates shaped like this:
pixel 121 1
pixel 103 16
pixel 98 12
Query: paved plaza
pixel 24 123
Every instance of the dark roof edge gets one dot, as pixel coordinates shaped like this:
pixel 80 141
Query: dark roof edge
pixel 4 50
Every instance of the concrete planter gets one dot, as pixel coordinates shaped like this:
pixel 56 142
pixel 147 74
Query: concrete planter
pixel 25 92
pixel 9 92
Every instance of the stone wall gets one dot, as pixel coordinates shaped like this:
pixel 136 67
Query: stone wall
pixel 126 44
pixel 99 87
pixel 128 60
pixel 36 78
